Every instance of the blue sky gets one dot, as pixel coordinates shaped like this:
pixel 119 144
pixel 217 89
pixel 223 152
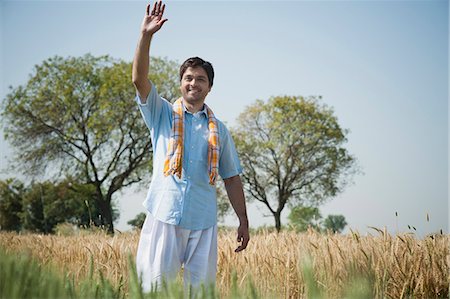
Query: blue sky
pixel 382 66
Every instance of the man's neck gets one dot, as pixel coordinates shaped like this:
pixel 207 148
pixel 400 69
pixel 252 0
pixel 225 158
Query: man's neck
pixel 193 107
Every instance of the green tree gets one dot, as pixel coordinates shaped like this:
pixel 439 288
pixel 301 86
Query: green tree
pixel 335 223
pixel 292 152
pixel 11 193
pixel 138 221
pixel 301 218
pixel 46 204
pixel 223 203
pixel 77 116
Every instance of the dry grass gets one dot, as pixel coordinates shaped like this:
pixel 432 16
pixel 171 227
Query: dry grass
pixel 395 266
pixel 72 254
pixel 392 266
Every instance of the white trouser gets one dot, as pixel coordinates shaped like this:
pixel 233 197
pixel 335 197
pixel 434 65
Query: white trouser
pixel 163 248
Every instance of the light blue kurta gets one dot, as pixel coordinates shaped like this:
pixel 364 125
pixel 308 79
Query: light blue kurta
pixel 189 202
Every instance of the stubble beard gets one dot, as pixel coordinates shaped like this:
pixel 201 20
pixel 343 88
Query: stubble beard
pixel 194 99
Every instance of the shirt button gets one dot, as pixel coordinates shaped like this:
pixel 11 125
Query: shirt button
pixel 190 161
pixel 189 177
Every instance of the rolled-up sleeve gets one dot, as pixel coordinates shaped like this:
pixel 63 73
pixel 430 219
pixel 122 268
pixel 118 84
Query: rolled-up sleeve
pixel 151 110
pixel 229 164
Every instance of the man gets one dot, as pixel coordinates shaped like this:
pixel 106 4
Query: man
pixel 191 149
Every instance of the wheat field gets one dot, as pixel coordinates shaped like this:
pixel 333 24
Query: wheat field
pixel 276 265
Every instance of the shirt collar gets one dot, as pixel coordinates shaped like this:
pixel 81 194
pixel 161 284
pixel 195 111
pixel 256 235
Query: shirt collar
pixel 203 111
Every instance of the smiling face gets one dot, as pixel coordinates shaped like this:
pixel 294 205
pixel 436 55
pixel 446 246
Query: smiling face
pixel 195 85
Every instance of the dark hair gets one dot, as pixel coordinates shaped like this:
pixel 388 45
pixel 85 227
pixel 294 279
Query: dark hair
pixel 198 62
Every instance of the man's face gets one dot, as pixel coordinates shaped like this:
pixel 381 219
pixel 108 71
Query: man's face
pixel 194 85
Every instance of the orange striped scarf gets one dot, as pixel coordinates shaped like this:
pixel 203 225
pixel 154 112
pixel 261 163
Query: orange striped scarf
pixel 173 163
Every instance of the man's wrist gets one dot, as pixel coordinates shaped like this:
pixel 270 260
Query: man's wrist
pixel 243 220
pixel 146 34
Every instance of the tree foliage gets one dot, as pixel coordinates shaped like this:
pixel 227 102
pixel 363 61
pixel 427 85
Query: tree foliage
pixel 223 203
pixel 335 223
pixel 41 206
pixel 11 194
pixel 138 221
pixel 76 116
pixel 302 218
pixel 292 151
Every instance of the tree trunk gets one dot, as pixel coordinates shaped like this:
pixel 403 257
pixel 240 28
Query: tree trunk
pixel 277 217
pixel 107 221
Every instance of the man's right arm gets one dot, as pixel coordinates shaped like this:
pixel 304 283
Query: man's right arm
pixel 152 22
pixel 141 66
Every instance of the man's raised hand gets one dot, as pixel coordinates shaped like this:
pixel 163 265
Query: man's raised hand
pixel 153 20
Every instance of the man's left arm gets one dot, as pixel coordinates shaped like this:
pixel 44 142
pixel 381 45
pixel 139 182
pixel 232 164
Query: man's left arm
pixel 235 192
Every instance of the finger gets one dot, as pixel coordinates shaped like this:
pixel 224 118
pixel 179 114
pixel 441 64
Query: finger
pixel 162 9
pixel 148 9
pixel 243 246
pixel 245 241
pixel 159 7
pixel 162 22
pixel 244 238
pixel 154 8
pixel 240 248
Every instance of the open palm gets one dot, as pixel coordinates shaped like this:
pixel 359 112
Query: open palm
pixel 153 20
